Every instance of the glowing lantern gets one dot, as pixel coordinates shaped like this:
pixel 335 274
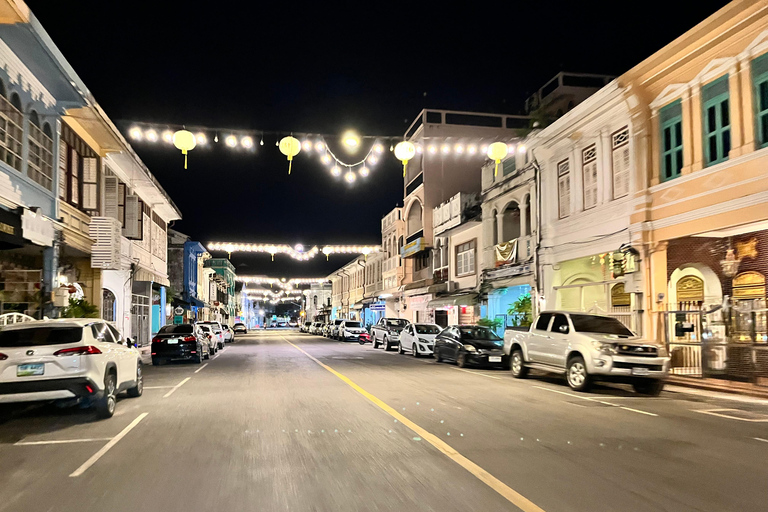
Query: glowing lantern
pixel 185 141
pixel 290 147
pixel 496 152
pixel 404 151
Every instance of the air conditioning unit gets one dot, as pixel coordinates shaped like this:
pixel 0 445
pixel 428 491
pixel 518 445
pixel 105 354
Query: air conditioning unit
pixel 105 252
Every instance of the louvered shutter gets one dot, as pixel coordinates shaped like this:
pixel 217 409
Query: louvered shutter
pixel 110 197
pixel 90 185
pixel 132 212
pixel 590 185
pixel 63 170
pixel 564 192
pixel 105 252
pixel 621 172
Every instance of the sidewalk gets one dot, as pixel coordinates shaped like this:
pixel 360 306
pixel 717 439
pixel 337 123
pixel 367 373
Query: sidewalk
pixel 723 386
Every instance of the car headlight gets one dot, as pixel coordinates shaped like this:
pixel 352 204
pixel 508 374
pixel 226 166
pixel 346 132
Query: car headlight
pixel 605 348
pixel 662 351
pixel 470 348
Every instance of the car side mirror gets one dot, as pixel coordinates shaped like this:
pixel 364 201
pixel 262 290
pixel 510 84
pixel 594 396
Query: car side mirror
pixel 563 329
pixel 130 343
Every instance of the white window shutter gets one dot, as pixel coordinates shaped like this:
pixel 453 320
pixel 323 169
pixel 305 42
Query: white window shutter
pixel 132 212
pixel 564 190
pixel 590 185
pixel 110 197
pixel 621 172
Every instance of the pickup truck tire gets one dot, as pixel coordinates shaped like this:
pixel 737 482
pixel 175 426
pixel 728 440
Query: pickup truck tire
pixel 651 387
pixel 386 344
pixel 576 374
pixel 517 364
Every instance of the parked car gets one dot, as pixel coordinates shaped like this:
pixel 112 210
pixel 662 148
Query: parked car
pixel 333 331
pixel 85 361
pixel 207 332
pixel 229 334
pixel 350 330
pixel 180 342
pixel 588 348
pixel 470 345
pixel 327 329
pixel 387 332
pixel 217 330
pixel 315 327
pixel 418 339
pixel 293 324
pixel 240 328
pixel 305 327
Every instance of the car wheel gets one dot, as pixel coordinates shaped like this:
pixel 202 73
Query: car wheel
pixel 221 346
pixel 651 387
pixel 576 374
pixel 207 353
pixel 374 343
pixel 414 350
pixel 517 364
pixel 400 348
pixel 461 361
pixel 438 357
pixel 386 345
pixel 138 389
pixel 105 406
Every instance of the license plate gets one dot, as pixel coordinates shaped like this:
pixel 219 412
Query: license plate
pixel 173 342
pixel 494 359
pixel 639 371
pixel 27 370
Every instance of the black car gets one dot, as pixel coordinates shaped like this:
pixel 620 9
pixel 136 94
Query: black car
pixel 470 345
pixel 240 328
pixel 179 342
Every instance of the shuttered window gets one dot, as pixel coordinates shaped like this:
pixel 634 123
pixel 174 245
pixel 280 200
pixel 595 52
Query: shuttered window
pixel 63 156
pixel 90 183
pixel 589 167
pixel 465 258
pixel 760 81
pixel 717 120
pixel 620 158
pixel 111 187
pixel 564 188
pixel 671 128
pixel 79 185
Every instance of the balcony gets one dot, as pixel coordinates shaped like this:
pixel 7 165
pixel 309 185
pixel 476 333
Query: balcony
pixel 391 263
pixel 450 213
pixel 513 251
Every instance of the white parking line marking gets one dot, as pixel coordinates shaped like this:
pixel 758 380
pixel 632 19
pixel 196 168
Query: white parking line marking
pixel 199 369
pixel 217 355
pixel 61 441
pixel 177 386
pixel 478 373
pixel 760 439
pixel 99 454
pixel 719 413
pixel 598 401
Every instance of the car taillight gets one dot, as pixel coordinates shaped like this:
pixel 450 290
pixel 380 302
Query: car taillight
pixel 157 340
pixel 78 351
pixel 190 338
pixel 3 357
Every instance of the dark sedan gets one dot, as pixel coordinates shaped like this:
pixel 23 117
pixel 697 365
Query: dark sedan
pixel 179 342
pixel 470 345
pixel 240 328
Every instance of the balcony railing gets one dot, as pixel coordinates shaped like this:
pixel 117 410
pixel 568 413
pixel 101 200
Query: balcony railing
pixel 513 251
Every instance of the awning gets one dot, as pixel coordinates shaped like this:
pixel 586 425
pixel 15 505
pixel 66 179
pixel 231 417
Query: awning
pixel 143 274
pixel 357 305
pixel 467 299
pixel 196 302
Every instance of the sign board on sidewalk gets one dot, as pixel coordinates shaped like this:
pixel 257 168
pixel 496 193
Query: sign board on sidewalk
pixel 178 319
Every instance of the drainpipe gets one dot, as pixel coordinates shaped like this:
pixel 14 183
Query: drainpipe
pixel 536 273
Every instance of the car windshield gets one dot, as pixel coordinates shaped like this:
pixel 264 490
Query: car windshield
pixel 351 324
pixel 397 322
pixel 239 325
pixel 427 329
pixel 600 325
pixel 37 336
pixel 478 333
pixel 176 329
pixel 204 328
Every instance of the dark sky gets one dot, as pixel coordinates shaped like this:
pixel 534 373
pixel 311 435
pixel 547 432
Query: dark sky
pixel 324 67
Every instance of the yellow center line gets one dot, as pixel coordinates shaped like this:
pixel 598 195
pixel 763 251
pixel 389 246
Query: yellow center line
pixel 491 481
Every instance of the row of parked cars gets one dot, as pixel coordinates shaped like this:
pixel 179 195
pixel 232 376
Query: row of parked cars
pixel 584 348
pixel 87 361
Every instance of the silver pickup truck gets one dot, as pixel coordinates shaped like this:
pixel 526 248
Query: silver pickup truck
pixel 387 332
pixel 587 348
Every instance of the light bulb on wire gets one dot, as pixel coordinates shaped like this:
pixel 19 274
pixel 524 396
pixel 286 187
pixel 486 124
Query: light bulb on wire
pixel 364 172
pixel 350 177
pixel 336 171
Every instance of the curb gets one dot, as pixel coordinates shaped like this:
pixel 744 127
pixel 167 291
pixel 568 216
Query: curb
pixel 745 390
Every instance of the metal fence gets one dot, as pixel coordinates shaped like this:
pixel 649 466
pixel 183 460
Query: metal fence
pixel 730 345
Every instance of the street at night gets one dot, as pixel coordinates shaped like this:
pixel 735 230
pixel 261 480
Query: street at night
pixel 288 421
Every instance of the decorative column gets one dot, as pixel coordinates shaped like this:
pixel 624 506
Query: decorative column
pixel 656 144
pixel 737 109
pixel 500 227
pixel 688 133
pixel 694 136
pixel 747 106
pixel 523 212
pixel 605 169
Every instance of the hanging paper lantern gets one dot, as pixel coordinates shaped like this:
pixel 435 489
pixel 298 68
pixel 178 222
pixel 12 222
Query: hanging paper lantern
pixel 185 141
pixel 290 147
pixel 496 152
pixel 404 151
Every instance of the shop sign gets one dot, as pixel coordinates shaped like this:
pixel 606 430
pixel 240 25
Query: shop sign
pixel 10 228
pixel 36 228
pixel 378 306
pixel 412 248
pixel 178 311
pixel 178 320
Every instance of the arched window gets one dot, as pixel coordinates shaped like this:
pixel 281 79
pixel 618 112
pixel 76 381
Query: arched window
pixel 108 305
pixel 11 130
pixel 510 222
pixel 16 101
pixel 314 301
pixel 414 223
pixel 34 118
pixel 47 130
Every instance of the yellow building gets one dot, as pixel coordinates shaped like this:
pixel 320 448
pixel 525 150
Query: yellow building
pixel 699 110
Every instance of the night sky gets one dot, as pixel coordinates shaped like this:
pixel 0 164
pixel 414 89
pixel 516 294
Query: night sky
pixel 325 67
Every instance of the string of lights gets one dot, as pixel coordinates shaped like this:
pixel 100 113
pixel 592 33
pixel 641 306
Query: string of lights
pixel 294 281
pixel 296 252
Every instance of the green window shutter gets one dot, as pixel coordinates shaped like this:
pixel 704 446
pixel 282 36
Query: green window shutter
pixel 760 82
pixel 715 99
pixel 671 131
pixel 509 165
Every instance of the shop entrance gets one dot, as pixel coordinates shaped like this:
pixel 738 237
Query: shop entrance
pixel 441 317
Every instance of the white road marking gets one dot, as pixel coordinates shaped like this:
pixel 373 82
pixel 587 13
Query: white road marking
pixel 477 373
pixel 99 454
pixel 177 386
pixel 760 439
pixel 199 369
pixel 157 387
pixel 719 413
pixel 217 355
pixel 598 401
pixel 61 441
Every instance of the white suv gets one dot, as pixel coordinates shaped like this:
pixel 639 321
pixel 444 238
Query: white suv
pixel 83 360
pixel 218 332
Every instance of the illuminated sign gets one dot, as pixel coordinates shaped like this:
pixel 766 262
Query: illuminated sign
pixel 412 248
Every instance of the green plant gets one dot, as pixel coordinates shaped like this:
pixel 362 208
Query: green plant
pixel 80 308
pixel 494 323
pixel 522 311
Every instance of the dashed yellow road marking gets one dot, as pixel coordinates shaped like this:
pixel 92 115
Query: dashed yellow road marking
pixel 491 481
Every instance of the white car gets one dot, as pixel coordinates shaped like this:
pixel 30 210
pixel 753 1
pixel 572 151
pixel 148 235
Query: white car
pixel 418 339
pixel 218 332
pixel 350 330
pixel 83 360
pixel 229 334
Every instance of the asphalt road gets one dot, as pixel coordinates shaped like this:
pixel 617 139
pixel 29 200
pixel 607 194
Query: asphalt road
pixel 282 421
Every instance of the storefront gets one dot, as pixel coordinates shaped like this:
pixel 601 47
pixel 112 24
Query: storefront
pixel 510 305
pixel 417 308
pixel 455 309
